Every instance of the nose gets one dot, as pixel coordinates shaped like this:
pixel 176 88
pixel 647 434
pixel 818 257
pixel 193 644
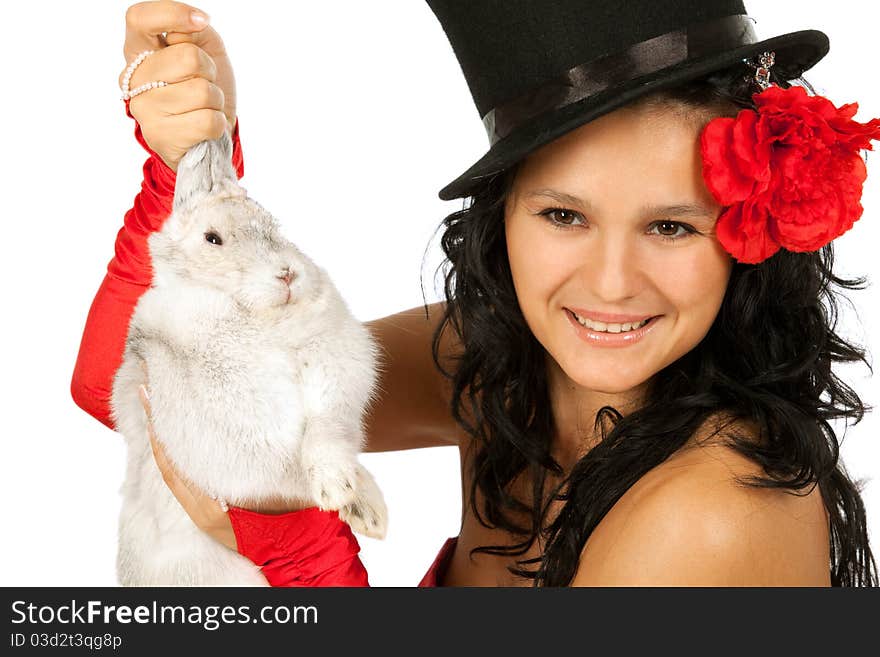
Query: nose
pixel 286 275
pixel 611 268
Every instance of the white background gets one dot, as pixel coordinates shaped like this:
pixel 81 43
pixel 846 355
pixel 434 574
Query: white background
pixel 353 115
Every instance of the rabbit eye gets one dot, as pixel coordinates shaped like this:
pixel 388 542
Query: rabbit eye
pixel 213 238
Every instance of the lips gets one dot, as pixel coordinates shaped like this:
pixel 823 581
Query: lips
pixel 615 338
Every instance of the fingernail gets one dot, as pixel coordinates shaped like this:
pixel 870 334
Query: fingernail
pixel 199 19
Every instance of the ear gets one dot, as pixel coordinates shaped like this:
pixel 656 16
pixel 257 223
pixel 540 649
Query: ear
pixel 206 167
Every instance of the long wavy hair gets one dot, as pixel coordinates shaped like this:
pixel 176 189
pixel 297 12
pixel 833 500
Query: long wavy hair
pixel 783 384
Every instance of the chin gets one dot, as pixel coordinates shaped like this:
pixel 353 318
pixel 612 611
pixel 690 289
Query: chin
pixel 611 379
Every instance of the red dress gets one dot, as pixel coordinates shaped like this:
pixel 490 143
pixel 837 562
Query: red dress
pixel 302 548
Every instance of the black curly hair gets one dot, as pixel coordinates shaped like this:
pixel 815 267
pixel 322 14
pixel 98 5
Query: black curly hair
pixel 783 384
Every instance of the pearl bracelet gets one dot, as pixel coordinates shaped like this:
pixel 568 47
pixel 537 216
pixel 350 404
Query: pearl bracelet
pixel 223 506
pixel 126 93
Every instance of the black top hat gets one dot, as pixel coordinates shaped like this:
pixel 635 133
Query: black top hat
pixel 539 68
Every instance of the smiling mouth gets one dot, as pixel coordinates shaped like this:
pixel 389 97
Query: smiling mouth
pixel 609 327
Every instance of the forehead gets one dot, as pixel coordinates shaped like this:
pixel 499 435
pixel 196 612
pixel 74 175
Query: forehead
pixel 633 152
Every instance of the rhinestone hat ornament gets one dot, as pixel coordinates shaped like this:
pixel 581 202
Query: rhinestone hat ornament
pixel 762 74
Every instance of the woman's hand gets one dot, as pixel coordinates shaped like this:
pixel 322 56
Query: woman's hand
pixel 199 101
pixel 206 513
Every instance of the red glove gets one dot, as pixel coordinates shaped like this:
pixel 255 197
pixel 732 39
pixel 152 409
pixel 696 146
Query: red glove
pixel 301 548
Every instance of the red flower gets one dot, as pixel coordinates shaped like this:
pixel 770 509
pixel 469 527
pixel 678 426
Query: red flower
pixel 788 175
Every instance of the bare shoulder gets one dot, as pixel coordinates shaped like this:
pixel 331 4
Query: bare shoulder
pixel 691 522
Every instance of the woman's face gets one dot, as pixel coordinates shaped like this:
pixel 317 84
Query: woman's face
pixel 611 226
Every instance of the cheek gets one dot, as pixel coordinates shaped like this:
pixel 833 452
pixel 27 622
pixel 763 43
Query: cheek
pixel 695 287
pixel 538 262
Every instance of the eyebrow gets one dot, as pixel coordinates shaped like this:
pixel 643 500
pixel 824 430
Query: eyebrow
pixel 677 210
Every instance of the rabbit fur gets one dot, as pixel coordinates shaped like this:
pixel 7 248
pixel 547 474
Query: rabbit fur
pixel 259 377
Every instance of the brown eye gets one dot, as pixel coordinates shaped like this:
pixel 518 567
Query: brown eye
pixel 667 228
pixel 561 217
pixel 565 217
pixel 672 230
pixel 213 238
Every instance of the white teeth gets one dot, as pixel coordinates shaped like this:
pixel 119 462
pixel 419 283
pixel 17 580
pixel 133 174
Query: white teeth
pixel 604 327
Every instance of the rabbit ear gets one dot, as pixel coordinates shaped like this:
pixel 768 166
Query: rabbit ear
pixel 206 167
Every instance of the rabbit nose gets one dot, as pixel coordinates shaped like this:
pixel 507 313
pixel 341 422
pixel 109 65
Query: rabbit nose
pixel 286 275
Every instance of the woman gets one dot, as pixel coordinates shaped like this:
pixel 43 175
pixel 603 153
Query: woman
pixel 625 341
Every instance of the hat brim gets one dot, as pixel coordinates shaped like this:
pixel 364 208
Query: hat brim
pixel 796 52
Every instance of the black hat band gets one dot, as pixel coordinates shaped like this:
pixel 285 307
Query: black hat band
pixel 641 59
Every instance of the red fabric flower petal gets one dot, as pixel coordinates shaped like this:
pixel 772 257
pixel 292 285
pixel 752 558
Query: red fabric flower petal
pixel 789 173
pixel 744 234
pixel 723 179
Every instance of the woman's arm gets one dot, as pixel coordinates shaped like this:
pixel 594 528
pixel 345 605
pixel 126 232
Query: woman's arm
pixel 129 274
pixel 412 408
pixel 197 104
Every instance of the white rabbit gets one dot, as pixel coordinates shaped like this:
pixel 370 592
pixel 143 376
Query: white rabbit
pixel 259 377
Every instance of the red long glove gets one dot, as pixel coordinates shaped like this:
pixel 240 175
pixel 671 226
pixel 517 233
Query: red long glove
pixel 303 548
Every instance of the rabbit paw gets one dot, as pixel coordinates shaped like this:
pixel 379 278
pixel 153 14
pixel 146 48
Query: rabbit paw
pixel 367 514
pixel 333 487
